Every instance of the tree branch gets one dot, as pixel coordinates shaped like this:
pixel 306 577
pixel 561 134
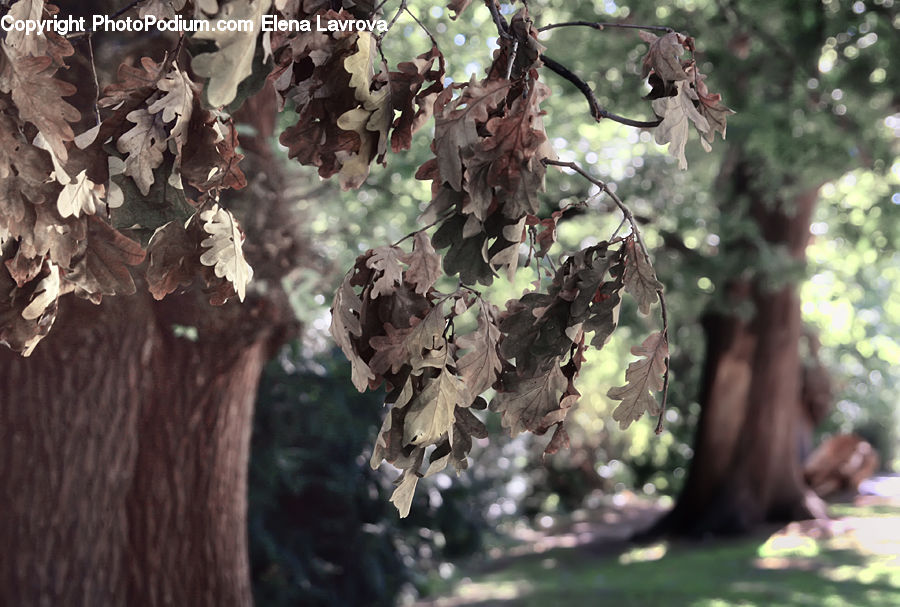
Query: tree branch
pixel 600 26
pixel 596 110
pixel 629 216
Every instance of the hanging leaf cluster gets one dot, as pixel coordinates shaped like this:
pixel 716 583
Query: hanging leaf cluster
pixel 90 204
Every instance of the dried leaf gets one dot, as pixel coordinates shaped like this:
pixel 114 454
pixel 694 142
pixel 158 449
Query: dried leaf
pixel 80 196
pixel 424 264
pixel 403 495
pixel 345 325
pixel 430 412
pixel 664 56
pixel 454 126
pixel 387 261
pixel 144 144
pixel 641 377
pixel 458 6
pixel 640 279
pixel 525 402
pixel 102 270
pixel 173 259
pixel 225 252
pixel 232 62
pixel 39 99
pixel 177 104
pixel 480 367
pixel 676 112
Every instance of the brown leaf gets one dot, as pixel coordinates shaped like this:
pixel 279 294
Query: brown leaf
pixel 641 377
pixel 455 120
pixel 525 402
pixel 102 270
pixel 144 145
pixel 345 325
pixel 664 56
pixel 387 261
pixel 20 330
pixel 39 99
pixel 407 95
pixel 640 279
pixel 676 112
pixel 559 441
pixel 173 259
pixel 424 264
pixel 480 367
pixel 458 6
pixel 430 412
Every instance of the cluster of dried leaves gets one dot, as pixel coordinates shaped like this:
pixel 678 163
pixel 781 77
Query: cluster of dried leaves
pixel 141 189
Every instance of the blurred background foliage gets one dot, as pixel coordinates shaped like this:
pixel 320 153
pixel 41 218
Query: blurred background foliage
pixel 321 528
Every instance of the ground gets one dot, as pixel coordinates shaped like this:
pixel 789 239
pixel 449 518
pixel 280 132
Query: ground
pixel 585 560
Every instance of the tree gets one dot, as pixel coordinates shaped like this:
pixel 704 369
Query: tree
pixel 126 469
pixel 811 90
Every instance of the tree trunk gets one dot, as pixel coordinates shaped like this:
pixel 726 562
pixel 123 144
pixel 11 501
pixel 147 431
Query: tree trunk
pixel 125 460
pixel 747 466
pixel 124 438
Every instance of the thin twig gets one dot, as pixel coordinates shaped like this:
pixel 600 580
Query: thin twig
pixel 626 212
pixel 422 25
pixel 600 26
pixel 96 81
pixel 115 15
pixel 414 232
pixel 596 110
pixel 499 21
pixel 665 390
pixel 400 10
pixel 512 59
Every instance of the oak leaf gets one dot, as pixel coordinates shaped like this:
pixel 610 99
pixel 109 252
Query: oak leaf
pixel 80 196
pixel 481 366
pixel 387 261
pixel 39 99
pixel 663 57
pixel 525 402
pixel 225 253
pixel 177 104
pixel 103 268
pixel 232 62
pixel 677 113
pixel 173 259
pixel 144 145
pixel 455 123
pixel 345 325
pixel 403 494
pixel 430 412
pixel 424 264
pixel 640 279
pixel 641 377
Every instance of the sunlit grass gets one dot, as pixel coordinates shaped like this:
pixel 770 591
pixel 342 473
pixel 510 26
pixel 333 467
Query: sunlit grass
pixel 858 563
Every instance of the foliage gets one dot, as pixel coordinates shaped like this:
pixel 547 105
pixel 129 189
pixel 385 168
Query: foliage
pixel 163 148
pixel 319 529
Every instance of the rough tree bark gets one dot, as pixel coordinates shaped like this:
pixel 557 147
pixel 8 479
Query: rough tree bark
pixel 747 467
pixel 124 466
pixel 124 445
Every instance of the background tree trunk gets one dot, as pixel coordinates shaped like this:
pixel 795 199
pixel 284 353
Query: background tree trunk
pixel 747 466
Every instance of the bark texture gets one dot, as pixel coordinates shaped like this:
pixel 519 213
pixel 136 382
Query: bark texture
pixel 124 438
pixel 125 460
pixel 747 465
